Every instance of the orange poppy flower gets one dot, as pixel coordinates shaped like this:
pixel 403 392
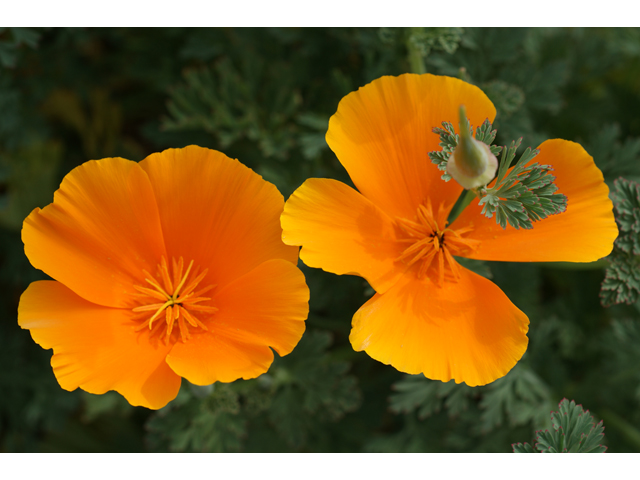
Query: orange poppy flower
pixel 171 267
pixel 429 314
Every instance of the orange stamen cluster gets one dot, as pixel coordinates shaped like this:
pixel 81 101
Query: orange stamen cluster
pixel 428 242
pixel 178 300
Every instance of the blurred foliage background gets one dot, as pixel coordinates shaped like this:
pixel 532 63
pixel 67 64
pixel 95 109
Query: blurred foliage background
pixel 265 96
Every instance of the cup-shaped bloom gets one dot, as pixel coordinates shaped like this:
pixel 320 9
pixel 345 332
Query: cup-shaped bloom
pixel 172 267
pixel 429 314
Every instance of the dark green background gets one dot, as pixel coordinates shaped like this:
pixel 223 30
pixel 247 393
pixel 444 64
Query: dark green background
pixel 264 96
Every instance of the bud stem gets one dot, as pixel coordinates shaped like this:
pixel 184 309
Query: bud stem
pixel 463 202
pixel 416 60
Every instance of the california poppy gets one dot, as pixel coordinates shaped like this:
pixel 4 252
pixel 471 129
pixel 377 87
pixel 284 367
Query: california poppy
pixel 172 267
pixel 429 314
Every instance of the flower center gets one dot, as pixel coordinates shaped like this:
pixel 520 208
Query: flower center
pixel 178 298
pixel 433 247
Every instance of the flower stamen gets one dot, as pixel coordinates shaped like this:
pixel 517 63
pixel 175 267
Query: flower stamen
pixel 165 275
pixel 428 241
pixel 178 304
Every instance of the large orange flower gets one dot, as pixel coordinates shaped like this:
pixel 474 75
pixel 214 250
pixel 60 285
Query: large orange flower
pixel 171 267
pixel 429 314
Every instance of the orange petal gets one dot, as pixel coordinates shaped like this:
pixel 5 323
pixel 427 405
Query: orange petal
pixel 468 331
pixel 100 232
pixel 583 233
pixel 95 348
pixel 382 134
pixel 217 212
pixel 264 308
pixel 342 232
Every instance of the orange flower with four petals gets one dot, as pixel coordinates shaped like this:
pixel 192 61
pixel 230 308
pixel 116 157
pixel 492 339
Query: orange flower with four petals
pixel 172 267
pixel 429 314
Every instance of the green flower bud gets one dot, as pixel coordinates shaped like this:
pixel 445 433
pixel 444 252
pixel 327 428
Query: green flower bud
pixel 471 164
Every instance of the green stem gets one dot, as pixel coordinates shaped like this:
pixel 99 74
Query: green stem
pixel 463 201
pixel 416 61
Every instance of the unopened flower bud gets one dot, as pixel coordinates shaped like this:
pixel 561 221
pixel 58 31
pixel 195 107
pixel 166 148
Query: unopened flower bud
pixel 471 164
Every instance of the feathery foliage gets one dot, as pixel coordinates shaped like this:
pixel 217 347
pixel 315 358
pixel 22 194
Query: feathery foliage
pixel 522 194
pixel 574 432
pixel 622 278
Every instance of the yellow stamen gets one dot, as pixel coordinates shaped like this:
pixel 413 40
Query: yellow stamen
pixel 191 318
pixel 146 308
pixel 177 270
pixel 184 279
pixel 184 331
pixel 427 241
pixel 157 314
pixel 178 302
pixel 149 279
pixel 203 290
pixel 147 292
pixel 168 317
pixel 164 271
pixel 194 283
pixel 203 308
